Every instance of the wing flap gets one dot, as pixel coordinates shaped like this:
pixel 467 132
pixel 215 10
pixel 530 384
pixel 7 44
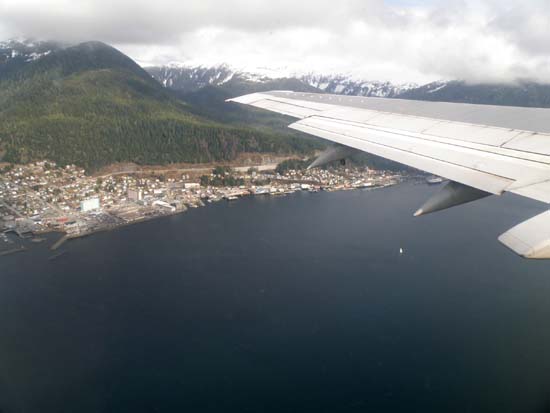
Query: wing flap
pixel 404 152
pixel 447 151
pixel 487 135
pixel 539 191
pixel 531 142
pixel 530 239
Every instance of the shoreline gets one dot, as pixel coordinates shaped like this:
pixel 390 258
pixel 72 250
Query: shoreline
pixel 233 194
pixel 69 237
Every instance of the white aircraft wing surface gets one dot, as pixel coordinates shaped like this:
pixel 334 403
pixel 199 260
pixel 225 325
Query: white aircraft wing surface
pixel 483 150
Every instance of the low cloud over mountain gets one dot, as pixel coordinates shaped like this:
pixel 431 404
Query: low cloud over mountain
pixel 401 41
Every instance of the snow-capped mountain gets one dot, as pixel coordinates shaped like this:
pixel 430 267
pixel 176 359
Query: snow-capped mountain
pixel 347 85
pixel 433 87
pixel 24 50
pixel 189 79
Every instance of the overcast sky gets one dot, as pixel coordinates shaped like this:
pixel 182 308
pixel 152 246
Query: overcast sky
pixel 397 40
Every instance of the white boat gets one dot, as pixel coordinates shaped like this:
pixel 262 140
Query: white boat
pixel 434 180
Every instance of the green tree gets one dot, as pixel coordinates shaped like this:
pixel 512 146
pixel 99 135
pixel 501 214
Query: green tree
pixel 221 170
pixel 292 164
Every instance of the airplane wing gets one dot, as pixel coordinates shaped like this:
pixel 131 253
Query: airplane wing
pixel 483 150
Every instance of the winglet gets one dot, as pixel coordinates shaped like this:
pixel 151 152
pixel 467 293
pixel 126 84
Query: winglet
pixel 254 97
pixel 248 99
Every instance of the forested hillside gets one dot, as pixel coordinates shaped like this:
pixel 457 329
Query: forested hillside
pixel 92 105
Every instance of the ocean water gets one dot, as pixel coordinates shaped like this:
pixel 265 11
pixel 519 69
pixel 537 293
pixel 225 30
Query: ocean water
pixel 292 304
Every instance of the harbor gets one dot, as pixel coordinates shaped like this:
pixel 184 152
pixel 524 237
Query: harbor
pixel 43 197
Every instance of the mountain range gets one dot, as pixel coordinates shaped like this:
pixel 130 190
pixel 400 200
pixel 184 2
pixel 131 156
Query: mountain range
pixel 189 79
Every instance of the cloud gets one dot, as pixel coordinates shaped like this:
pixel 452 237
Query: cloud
pixel 527 26
pixel 137 21
pixel 478 41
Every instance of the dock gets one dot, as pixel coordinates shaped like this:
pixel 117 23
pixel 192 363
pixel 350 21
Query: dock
pixel 60 242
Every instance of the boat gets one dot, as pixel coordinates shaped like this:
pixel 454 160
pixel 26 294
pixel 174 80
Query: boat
pixel 434 180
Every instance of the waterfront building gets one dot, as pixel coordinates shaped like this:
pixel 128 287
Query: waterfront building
pixel 165 205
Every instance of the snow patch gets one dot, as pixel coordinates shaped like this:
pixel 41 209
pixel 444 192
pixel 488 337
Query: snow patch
pixel 438 88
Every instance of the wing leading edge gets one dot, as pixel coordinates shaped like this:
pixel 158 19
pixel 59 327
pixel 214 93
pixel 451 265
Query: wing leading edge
pixel 482 149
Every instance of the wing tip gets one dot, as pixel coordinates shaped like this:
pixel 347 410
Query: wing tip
pixel 252 97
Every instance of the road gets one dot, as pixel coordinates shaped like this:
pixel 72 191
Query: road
pixel 205 169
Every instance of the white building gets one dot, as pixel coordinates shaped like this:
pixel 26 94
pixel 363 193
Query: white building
pixel 89 205
pixel 135 195
pixel 165 205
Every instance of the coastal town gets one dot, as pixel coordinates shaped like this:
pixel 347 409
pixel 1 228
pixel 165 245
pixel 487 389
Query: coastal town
pixel 43 197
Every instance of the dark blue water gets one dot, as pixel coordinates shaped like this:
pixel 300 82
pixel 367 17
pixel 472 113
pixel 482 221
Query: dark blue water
pixel 294 304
